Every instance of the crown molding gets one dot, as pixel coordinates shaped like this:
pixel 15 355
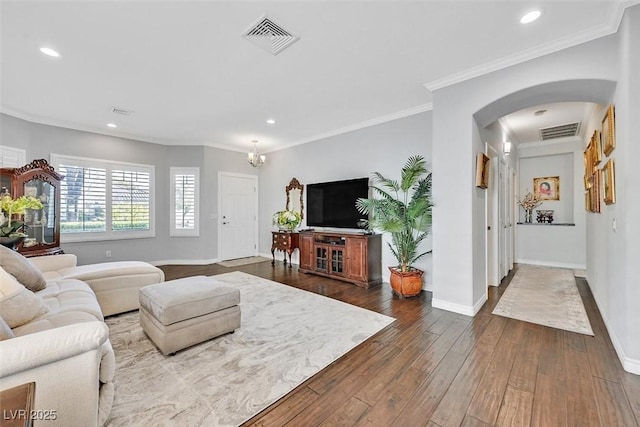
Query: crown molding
pixel 101 131
pixel 610 27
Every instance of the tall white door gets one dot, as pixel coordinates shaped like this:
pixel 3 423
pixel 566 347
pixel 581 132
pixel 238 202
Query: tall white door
pixel 492 219
pixel 237 215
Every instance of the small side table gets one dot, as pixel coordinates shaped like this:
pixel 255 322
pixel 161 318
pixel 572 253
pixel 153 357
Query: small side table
pixel 16 405
pixel 285 241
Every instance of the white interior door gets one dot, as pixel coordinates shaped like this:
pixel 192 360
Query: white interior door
pixel 492 219
pixel 502 218
pixel 237 215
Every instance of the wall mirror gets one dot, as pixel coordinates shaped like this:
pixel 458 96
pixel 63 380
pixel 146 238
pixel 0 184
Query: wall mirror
pixel 295 192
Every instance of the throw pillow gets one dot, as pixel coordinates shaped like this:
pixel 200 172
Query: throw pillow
pixel 5 330
pixel 18 305
pixel 22 269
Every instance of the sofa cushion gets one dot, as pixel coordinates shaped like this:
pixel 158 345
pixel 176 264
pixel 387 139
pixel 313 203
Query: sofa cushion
pixel 22 269
pixel 5 331
pixel 52 321
pixel 71 295
pixel 18 305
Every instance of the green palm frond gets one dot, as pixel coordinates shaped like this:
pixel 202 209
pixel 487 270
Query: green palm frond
pixel 402 209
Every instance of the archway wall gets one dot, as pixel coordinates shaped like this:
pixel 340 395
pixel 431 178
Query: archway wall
pixel 603 71
pixel 459 213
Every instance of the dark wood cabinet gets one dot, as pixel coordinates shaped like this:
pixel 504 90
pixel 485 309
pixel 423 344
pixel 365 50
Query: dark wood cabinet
pixel 354 258
pixel 40 180
pixel 285 241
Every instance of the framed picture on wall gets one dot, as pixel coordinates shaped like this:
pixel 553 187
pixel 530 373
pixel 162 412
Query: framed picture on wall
pixel 596 148
pixel 482 170
pixel 609 182
pixel 547 188
pixel 609 130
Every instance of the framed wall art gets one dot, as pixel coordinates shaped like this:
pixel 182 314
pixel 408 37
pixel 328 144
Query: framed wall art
pixel 609 130
pixel 596 148
pixel 482 170
pixel 547 188
pixel 609 182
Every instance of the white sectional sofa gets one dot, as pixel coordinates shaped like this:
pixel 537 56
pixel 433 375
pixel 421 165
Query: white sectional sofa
pixel 65 348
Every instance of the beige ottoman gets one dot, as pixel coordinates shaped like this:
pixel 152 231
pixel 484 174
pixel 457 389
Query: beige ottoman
pixel 180 313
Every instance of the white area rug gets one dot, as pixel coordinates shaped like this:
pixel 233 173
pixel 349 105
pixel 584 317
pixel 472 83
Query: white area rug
pixel 243 261
pixel 546 296
pixel 287 335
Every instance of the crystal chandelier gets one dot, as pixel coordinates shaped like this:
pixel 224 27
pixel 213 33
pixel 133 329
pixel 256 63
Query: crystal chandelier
pixel 254 158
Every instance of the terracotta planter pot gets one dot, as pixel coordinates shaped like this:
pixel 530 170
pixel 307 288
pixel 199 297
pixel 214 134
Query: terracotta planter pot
pixel 407 284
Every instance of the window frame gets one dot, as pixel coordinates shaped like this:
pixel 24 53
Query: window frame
pixel 109 166
pixel 173 230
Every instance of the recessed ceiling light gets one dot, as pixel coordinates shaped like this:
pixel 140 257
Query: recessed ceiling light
pixel 112 125
pixel 271 121
pixel 530 17
pixel 50 52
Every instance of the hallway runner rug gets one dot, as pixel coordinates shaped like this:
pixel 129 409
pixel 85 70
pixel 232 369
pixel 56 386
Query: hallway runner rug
pixel 546 296
pixel 286 336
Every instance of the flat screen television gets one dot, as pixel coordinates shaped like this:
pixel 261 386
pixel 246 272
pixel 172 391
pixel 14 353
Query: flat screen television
pixel 333 204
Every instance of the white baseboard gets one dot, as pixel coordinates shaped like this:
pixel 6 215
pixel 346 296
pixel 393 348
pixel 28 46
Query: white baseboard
pixel 466 310
pixel 552 264
pixel 628 364
pixel 184 261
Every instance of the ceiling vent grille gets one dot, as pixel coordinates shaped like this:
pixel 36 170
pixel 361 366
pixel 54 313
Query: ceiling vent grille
pixel 121 111
pixel 270 36
pixel 561 131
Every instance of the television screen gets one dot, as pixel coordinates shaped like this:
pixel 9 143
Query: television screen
pixel 333 204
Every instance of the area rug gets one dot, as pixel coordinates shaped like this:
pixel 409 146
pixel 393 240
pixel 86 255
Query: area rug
pixel 287 335
pixel 546 296
pixel 243 261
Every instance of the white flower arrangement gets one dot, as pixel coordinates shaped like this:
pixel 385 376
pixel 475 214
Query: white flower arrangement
pixel 287 220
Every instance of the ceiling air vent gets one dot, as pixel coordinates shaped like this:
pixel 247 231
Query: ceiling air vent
pixel 121 111
pixel 561 131
pixel 270 36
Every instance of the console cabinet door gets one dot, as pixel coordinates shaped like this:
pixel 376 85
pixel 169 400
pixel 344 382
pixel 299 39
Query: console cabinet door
pixel 356 262
pixel 306 251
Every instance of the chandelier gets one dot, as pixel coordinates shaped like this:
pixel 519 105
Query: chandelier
pixel 254 158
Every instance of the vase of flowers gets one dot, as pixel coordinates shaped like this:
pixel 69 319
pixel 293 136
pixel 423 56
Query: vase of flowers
pixel 529 202
pixel 12 226
pixel 286 220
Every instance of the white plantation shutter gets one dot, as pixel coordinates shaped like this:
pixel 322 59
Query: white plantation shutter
pixel 184 201
pixel 83 199
pixel 130 201
pixel 102 200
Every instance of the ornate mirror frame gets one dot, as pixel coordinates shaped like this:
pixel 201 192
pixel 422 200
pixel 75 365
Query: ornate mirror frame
pixel 295 202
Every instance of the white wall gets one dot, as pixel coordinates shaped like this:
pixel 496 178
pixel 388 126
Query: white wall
pixel 40 141
pixel 554 245
pixel 613 267
pixel 384 148
pixel 459 280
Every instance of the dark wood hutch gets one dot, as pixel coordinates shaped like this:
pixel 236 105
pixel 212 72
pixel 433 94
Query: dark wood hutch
pixel 40 180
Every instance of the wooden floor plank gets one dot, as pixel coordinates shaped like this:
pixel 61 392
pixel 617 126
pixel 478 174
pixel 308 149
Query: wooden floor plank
pixel 557 378
pixel 581 403
pixel 453 407
pixel 485 404
pixel 613 406
pixel 348 414
pixel 516 409
pixel 549 400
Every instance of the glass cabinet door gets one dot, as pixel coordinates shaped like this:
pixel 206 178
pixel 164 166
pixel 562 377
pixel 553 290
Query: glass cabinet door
pixel 40 223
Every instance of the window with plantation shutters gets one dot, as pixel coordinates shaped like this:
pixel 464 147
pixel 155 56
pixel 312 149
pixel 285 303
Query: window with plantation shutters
pixel 102 200
pixel 184 201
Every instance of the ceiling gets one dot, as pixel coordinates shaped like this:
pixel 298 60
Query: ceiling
pixel 192 79
pixel 525 125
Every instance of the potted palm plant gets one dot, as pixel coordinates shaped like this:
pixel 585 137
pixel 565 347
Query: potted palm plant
pixel 402 209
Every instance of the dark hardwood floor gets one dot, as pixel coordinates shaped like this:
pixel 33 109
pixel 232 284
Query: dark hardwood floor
pixel 436 368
